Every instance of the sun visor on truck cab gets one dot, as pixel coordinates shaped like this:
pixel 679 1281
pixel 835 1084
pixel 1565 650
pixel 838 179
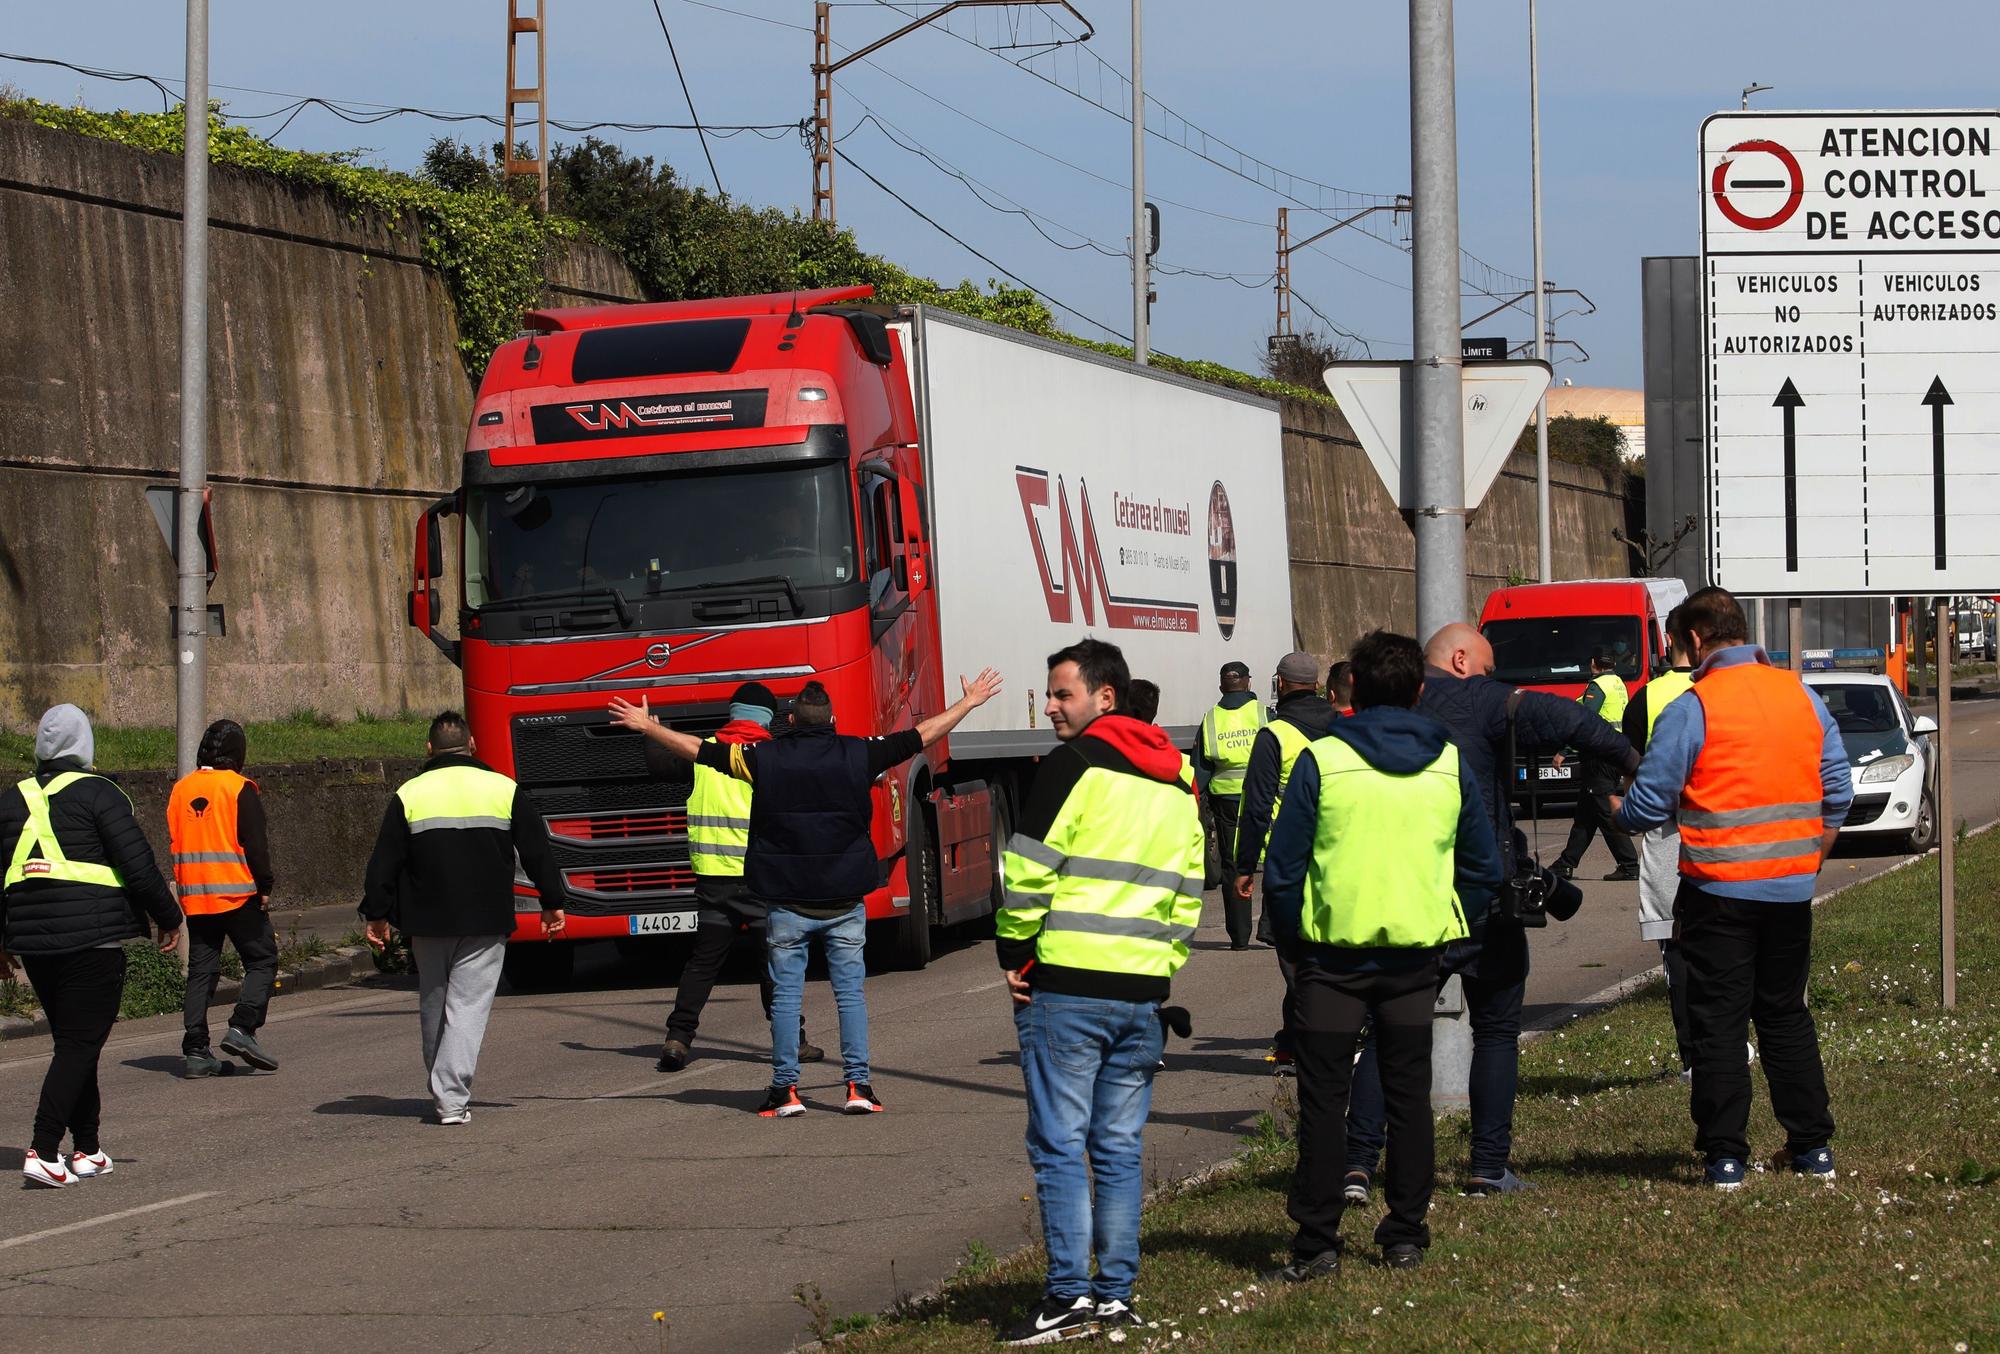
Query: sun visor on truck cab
pixel 871 331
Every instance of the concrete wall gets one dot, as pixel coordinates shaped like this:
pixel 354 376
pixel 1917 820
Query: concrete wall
pixel 1353 557
pixel 337 406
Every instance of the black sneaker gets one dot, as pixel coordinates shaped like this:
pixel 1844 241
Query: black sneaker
pixel 861 1099
pixel 1306 1268
pixel 1117 1313
pixel 1354 1187
pixel 243 1044
pixel 1562 869
pixel 1624 874
pixel 673 1056
pixel 808 1052
pixel 1053 1320
pixel 1402 1255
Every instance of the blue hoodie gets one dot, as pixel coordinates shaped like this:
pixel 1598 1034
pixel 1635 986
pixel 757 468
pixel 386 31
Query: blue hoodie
pixel 1398 742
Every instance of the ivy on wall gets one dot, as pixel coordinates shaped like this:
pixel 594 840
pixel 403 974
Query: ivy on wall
pixel 488 244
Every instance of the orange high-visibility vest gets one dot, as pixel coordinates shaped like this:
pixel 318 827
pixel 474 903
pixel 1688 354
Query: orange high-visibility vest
pixel 211 873
pixel 1751 806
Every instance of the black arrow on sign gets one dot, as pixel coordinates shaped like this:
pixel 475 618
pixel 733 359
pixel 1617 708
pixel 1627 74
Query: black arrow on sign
pixel 1937 398
pixel 1790 401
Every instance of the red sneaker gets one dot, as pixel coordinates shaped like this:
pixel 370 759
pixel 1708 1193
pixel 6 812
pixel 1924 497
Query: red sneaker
pixel 861 1099
pixel 782 1103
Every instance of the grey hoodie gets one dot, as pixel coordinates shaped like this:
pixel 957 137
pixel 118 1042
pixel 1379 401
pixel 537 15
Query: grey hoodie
pixel 65 733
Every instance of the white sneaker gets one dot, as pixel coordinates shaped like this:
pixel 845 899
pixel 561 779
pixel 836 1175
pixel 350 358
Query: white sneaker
pixel 456 1117
pixel 85 1165
pixel 51 1173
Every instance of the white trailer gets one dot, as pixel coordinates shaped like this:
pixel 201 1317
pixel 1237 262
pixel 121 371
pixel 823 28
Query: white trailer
pixel 1075 494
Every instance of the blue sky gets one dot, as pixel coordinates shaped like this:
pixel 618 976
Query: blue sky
pixel 1319 90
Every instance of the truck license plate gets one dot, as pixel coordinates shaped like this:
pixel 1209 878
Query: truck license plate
pixel 1543 773
pixel 662 923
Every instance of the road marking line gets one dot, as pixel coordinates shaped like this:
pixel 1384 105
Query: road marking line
pixel 108 1217
pixel 984 987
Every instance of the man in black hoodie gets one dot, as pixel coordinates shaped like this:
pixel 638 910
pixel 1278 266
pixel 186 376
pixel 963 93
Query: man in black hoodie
pixel 1302 716
pixel 81 881
pixel 1382 855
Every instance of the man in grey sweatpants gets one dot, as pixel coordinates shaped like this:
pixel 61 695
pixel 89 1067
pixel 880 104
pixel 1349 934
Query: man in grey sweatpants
pixel 443 874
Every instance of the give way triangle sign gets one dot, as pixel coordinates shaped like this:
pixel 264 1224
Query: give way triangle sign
pixel 1498 398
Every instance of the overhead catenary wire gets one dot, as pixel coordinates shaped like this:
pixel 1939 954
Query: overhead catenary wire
pixel 363 113
pixel 673 52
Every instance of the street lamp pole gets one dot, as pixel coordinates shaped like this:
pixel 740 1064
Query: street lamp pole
pixel 191 596
pixel 1141 265
pixel 1544 549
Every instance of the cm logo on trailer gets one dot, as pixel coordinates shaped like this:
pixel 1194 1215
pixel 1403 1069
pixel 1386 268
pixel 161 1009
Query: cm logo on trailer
pixel 1754 182
pixel 1082 579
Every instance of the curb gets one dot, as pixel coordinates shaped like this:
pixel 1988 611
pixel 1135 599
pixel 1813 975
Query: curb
pixel 329 970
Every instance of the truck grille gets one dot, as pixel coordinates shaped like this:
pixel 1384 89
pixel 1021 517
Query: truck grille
pixel 618 833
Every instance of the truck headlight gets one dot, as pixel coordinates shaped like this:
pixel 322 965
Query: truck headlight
pixel 1889 768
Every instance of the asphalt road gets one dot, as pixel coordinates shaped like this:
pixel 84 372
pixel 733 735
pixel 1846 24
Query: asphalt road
pixel 312 1209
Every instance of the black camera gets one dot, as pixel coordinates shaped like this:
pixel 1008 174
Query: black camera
pixel 1534 895
pixel 1524 899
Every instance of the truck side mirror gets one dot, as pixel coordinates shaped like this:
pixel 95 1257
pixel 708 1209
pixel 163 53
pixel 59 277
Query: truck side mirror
pixel 425 605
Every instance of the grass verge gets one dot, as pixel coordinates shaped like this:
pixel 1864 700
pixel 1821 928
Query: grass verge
pixel 1620 1247
pixel 302 736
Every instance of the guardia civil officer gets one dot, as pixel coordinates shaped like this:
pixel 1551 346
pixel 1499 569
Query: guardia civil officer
pixel 1103 889
pixel 1381 856
pixel 443 873
pixel 1221 757
pixel 1605 698
pixel 1302 715
pixel 1753 768
pixel 80 882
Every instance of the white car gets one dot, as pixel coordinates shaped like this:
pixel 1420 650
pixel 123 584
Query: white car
pixel 1890 751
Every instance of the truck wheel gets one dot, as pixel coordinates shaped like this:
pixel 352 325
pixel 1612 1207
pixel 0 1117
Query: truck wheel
pixel 910 935
pixel 538 964
pixel 1924 835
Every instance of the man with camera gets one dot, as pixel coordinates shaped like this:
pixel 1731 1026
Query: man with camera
pixel 1484 717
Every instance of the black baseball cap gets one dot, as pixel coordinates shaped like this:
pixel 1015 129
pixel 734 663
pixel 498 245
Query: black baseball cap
pixel 1236 668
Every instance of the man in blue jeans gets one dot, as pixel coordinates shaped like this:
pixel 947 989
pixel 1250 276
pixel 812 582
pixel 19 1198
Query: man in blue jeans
pixel 812 858
pixel 1103 891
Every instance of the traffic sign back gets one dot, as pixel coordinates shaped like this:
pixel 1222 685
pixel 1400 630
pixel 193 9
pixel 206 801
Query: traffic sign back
pixel 1498 397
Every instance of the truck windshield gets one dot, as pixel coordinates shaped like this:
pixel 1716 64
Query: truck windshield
pixel 687 532
pixel 1556 650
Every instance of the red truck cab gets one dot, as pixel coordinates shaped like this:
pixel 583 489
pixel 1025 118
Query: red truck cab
pixel 661 502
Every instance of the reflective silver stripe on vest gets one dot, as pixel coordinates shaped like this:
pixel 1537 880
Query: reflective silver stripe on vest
pixel 1037 850
pixel 1016 898
pixel 477 820
pixel 192 890
pixel 1125 872
pixel 1134 928
pixel 1763 813
pixel 1716 855
pixel 717 849
pixel 210 858
pixel 710 820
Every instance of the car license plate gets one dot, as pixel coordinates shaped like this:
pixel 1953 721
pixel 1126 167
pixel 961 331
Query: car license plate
pixel 662 923
pixel 1555 773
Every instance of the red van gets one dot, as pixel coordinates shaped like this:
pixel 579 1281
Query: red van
pixel 1543 636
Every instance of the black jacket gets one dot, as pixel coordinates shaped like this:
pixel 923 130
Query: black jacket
pixel 1475 710
pixel 812 847
pixel 94 825
pixel 1313 714
pixel 457 881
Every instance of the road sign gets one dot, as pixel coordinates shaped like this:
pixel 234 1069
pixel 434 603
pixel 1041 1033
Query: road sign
pixel 1483 349
pixel 161 499
pixel 1852 271
pixel 1498 397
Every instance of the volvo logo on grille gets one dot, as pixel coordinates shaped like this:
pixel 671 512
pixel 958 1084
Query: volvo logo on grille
pixel 658 654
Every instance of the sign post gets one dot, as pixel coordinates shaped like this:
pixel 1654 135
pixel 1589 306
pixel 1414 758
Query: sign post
pixel 1852 270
